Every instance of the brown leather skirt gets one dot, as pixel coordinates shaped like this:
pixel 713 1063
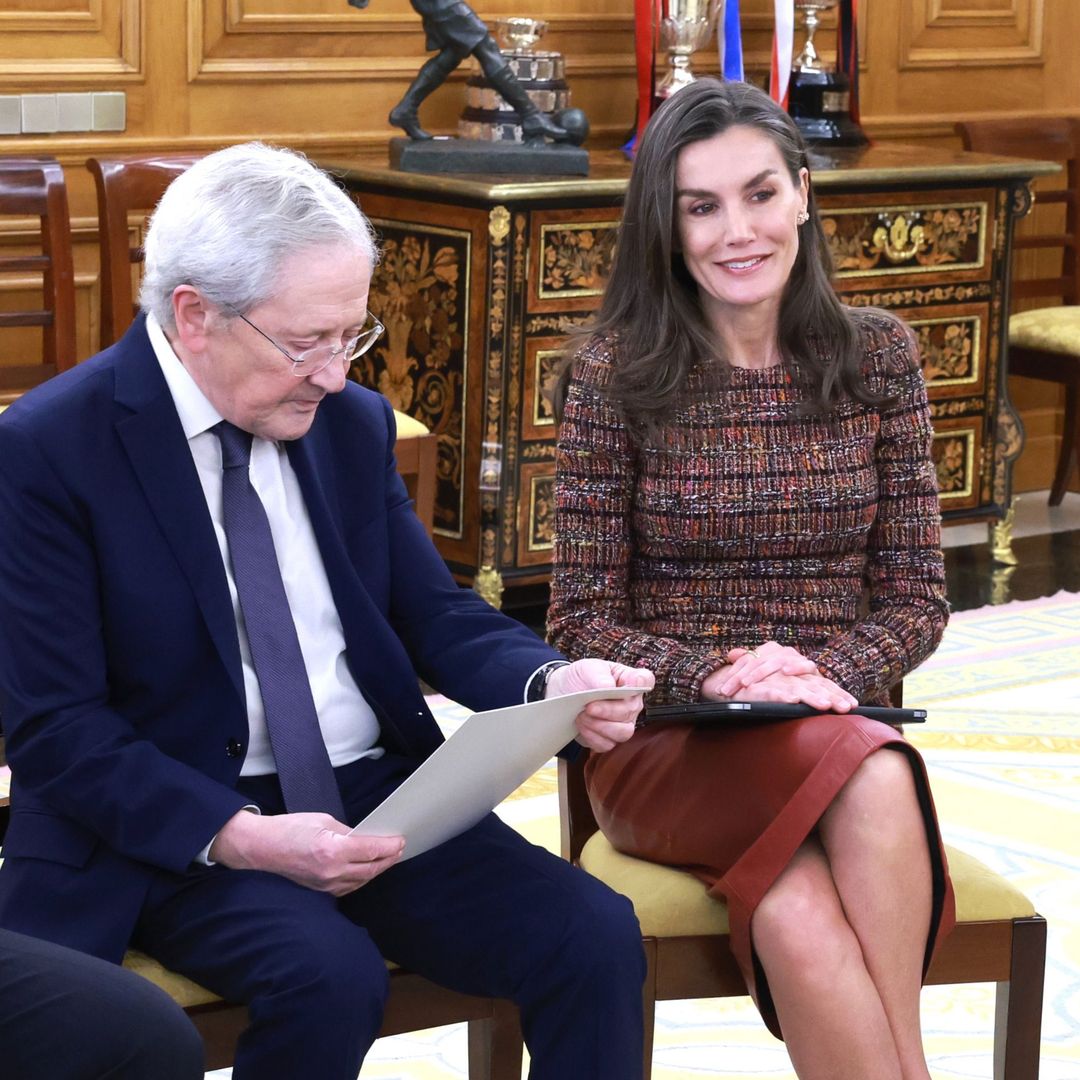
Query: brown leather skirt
pixel 733 805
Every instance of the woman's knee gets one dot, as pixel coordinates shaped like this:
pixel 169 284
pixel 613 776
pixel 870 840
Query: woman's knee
pixel 800 921
pixel 879 797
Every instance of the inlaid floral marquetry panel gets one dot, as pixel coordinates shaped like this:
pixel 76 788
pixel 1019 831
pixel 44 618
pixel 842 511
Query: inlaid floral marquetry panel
pixel 905 239
pixel 571 254
pixel 575 259
pixel 536 514
pixel 953 351
pixel 543 357
pixel 954 454
pixel 420 291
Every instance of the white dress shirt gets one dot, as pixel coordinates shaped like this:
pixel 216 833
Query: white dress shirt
pixel 349 727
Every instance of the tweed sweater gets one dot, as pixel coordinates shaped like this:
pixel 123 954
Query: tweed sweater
pixel 747 522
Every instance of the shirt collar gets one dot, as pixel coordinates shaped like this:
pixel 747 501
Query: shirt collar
pixel 192 405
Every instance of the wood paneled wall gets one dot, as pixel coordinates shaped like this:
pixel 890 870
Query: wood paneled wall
pixel 321 76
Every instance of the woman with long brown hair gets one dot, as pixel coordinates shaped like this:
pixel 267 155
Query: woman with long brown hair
pixel 746 504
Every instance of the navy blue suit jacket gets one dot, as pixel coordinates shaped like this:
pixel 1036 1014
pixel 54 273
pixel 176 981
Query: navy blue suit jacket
pixel 120 669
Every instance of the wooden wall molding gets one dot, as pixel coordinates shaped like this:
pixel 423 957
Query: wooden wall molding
pixel 234 41
pixel 102 40
pixel 81 16
pixel 951 33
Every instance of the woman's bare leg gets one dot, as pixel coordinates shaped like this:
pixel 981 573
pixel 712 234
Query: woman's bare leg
pixel 829 1010
pixel 875 840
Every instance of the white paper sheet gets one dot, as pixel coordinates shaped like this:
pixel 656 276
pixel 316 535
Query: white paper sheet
pixel 487 758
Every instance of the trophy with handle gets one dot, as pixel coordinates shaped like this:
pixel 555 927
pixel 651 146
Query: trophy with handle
pixel 819 95
pixel 686 26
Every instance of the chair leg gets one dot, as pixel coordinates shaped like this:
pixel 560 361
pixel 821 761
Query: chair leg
pixel 648 1001
pixel 1018 1014
pixel 495 1045
pixel 1069 456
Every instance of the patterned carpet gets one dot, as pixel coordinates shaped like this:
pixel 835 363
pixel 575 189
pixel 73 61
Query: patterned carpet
pixel 1003 748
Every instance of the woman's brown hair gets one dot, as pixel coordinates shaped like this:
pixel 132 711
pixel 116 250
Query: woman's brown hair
pixel 650 310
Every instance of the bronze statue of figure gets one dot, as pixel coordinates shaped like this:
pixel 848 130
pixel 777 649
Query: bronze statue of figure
pixel 455 31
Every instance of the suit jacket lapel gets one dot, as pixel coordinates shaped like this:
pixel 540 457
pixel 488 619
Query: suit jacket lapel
pixel 376 657
pixel 158 452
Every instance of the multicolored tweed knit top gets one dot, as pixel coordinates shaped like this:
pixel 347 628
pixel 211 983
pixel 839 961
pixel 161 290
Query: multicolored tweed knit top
pixel 749 523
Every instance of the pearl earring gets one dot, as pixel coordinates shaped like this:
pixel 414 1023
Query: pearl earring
pixel 802 218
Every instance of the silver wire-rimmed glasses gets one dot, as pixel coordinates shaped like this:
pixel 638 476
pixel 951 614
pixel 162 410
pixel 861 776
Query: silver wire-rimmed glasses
pixel 312 361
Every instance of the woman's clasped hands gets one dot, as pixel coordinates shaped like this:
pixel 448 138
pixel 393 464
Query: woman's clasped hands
pixel 775 672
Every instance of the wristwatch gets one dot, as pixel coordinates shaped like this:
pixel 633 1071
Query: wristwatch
pixel 536 687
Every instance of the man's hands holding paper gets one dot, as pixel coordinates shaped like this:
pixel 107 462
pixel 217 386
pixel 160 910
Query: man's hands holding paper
pixel 313 850
pixel 603 723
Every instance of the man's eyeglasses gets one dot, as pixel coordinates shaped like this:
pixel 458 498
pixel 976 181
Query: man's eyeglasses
pixel 312 361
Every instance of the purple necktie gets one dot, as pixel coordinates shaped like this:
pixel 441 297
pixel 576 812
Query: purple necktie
pixel 303 765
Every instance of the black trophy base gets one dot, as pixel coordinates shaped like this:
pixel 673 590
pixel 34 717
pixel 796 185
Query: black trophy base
pixel 485 158
pixel 830 131
pixel 820 105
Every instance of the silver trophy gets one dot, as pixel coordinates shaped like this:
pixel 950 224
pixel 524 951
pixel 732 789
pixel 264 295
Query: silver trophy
pixel 687 26
pixel 819 96
pixel 542 74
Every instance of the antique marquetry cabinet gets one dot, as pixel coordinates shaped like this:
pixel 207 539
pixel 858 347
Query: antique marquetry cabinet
pixel 480 278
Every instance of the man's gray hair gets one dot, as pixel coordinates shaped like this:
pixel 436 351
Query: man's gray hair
pixel 226 225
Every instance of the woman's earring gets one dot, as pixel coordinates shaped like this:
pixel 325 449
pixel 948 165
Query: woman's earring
pixel 802 218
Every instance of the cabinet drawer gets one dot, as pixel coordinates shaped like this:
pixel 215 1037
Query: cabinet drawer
pixel 957 450
pixel 570 256
pixel 923 237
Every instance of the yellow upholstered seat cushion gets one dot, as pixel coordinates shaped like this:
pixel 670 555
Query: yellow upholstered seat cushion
pixel 1055 329
pixel 673 903
pixel 407 426
pixel 182 990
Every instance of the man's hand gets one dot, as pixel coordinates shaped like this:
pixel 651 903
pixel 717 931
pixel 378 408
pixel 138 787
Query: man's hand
pixel 606 722
pixel 314 850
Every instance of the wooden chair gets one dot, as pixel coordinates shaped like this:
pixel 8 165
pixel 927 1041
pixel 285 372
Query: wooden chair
pixel 998 937
pixel 494 1032
pixel 416 451
pixel 494 1039
pixel 34 187
pixel 126 185
pixel 130 185
pixel 1044 343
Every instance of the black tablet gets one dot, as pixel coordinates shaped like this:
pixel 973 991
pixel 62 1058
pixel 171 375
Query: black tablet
pixel 752 712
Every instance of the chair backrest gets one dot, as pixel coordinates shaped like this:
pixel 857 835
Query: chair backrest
pixel 417 462
pixel 1049 139
pixel 126 185
pixel 34 187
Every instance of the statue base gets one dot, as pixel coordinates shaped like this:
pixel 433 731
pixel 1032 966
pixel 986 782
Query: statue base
pixel 480 156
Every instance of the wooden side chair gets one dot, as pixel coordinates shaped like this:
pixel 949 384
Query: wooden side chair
pixel 134 185
pixel 34 187
pixel 416 451
pixel 494 1032
pixel 126 185
pixel 998 938
pixel 1044 343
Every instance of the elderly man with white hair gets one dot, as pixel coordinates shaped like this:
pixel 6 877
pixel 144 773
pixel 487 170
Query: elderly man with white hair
pixel 215 600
